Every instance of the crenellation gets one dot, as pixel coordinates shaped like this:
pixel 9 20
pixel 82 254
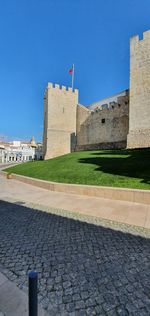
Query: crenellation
pixel 134 40
pixel 146 35
pixel 76 91
pixel 50 85
pixel 57 86
pixel 61 88
pixel 64 88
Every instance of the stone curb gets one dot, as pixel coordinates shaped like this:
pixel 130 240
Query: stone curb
pixel 123 194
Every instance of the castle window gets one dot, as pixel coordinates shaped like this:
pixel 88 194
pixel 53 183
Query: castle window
pixel 126 102
pixel 103 121
pixel 119 105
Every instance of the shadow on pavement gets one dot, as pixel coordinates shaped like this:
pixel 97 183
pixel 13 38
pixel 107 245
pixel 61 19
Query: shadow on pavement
pixel 82 267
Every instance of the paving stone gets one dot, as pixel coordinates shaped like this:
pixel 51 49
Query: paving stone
pixel 83 269
pixel 85 295
pixel 67 299
pixel 90 302
pixel 76 297
pixel 91 311
pixel 80 312
pixel 70 307
pixel 121 311
pixel 79 305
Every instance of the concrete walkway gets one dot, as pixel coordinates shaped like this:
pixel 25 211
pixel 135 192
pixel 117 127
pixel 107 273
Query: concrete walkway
pixel 120 211
pixel 7 164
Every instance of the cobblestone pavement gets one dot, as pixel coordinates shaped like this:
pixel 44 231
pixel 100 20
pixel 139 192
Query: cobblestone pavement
pixel 84 269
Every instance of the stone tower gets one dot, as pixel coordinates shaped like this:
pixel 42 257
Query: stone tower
pixel 60 106
pixel 139 109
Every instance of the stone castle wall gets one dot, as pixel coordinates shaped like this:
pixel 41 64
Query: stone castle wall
pixel 60 120
pixel 45 122
pixel 139 109
pixel 113 122
pixel 103 128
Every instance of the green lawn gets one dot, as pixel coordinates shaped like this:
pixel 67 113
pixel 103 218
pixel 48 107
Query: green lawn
pixel 116 168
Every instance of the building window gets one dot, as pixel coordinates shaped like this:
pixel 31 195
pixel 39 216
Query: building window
pixel 103 121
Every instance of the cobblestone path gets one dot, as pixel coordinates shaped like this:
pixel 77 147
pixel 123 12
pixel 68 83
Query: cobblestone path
pixel 83 269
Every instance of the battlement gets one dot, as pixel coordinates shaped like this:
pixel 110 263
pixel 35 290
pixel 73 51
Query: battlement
pixel 116 100
pixel 61 88
pixel 136 39
pixel 112 108
pixel 146 35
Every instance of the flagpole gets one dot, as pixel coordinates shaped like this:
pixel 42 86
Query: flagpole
pixel 72 77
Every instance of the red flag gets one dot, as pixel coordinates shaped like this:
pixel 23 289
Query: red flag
pixel 71 71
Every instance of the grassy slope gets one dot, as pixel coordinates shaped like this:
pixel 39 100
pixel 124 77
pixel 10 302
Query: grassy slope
pixel 119 168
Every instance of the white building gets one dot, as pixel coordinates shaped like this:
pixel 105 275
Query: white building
pixel 2 154
pixel 18 151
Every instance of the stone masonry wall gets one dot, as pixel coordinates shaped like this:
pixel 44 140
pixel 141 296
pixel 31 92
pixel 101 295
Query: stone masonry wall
pixel 105 128
pixel 68 127
pixel 45 122
pixel 139 109
pixel 60 120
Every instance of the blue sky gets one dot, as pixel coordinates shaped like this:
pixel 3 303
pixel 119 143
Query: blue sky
pixel 39 41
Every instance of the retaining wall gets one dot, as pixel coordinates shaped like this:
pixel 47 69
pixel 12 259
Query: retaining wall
pixel 132 195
